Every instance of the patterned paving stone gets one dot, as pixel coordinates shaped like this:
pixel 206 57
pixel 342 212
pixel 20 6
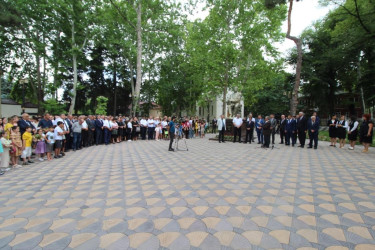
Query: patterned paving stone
pixel 214 196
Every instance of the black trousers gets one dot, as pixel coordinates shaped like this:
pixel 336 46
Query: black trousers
pixel 98 135
pixel 85 138
pixel 313 138
pixel 151 133
pixel 171 138
pixel 143 133
pixel 221 135
pixel 282 135
pixel 289 137
pixel 214 129
pixel 249 135
pixel 91 137
pixel 273 136
pixel 302 137
pixel 267 140
pixel 237 132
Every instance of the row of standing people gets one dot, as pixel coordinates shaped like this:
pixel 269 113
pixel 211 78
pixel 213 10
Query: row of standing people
pixel 296 127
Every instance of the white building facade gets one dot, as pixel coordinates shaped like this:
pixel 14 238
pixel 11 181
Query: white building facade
pixel 235 105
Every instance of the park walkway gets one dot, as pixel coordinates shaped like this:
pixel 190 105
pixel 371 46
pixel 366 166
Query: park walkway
pixel 137 195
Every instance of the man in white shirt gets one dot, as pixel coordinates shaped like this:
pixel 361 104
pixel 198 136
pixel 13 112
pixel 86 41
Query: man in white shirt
pixel 106 129
pixel 151 128
pixel 221 126
pixel 143 124
pixel 85 132
pixel 237 123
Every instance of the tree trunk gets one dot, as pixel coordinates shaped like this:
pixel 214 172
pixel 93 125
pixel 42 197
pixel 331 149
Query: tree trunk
pixel 139 57
pixel 56 66
pixel 131 68
pixel 225 100
pixel 298 42
pixel 115 86
pixel 74 92
pixel 39 80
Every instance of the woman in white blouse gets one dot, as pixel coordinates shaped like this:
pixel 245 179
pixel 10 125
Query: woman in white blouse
pixel 342 127
pixel 352 132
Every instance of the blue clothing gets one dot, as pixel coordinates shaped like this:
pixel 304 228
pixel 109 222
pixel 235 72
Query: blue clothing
pixel 45 124
pixel 259 123
pixel 76 140
pixel 171 127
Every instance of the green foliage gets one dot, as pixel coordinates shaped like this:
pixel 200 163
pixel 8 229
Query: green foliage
pixel 101 107
pixel 53 107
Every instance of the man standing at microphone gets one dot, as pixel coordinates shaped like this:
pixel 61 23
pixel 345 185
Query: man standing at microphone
pixel 171 132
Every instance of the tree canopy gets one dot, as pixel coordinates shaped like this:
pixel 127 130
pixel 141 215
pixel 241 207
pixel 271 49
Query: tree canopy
pixel 73 52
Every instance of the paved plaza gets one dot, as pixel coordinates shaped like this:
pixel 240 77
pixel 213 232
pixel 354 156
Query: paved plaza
pixel 136 195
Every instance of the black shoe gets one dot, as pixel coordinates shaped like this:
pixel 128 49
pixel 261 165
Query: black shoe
pixel 171 149
pixel 309 147
pixel 281 143
pixel 223 141
pixel 258 142
pixel 292 145
pixel 219 141
pixel 25 163
pixel 245 143
pixel 30 161
pixel 300 146
pixel 63 154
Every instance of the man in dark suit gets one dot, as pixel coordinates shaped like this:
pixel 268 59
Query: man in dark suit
pixel 98 130
pixel 214 125
pixel 273 122
pixel 91 130
pixel 290 130
pixel 302 129
pixel 267 130
pixel 24 122
pixel 250 124
pixel 313 128
pixel 282 129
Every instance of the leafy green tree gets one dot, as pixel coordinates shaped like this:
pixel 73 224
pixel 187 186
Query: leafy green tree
pixel 101 108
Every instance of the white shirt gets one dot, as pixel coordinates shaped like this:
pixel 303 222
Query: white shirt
pixel 130 125
pixel 157 123
pixel 84 125
pixel 164 124
pixel 345 125
pixel 58 130
pixel 237 121
pixel 143 122
pixel 150 123
pixel 355 126
pixel 106 123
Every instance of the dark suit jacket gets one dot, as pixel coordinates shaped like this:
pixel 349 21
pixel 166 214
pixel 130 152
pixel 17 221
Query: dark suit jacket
pixel 23 124
pixel 302 124
pixel 312 126
pixel 267 128
pixel 90 124
pixel 250 124
pixel 291 126
pixel 98 124
pixel 282 125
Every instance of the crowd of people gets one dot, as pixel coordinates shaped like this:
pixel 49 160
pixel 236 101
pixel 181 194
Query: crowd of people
pixel 298 127
pixel 52 136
